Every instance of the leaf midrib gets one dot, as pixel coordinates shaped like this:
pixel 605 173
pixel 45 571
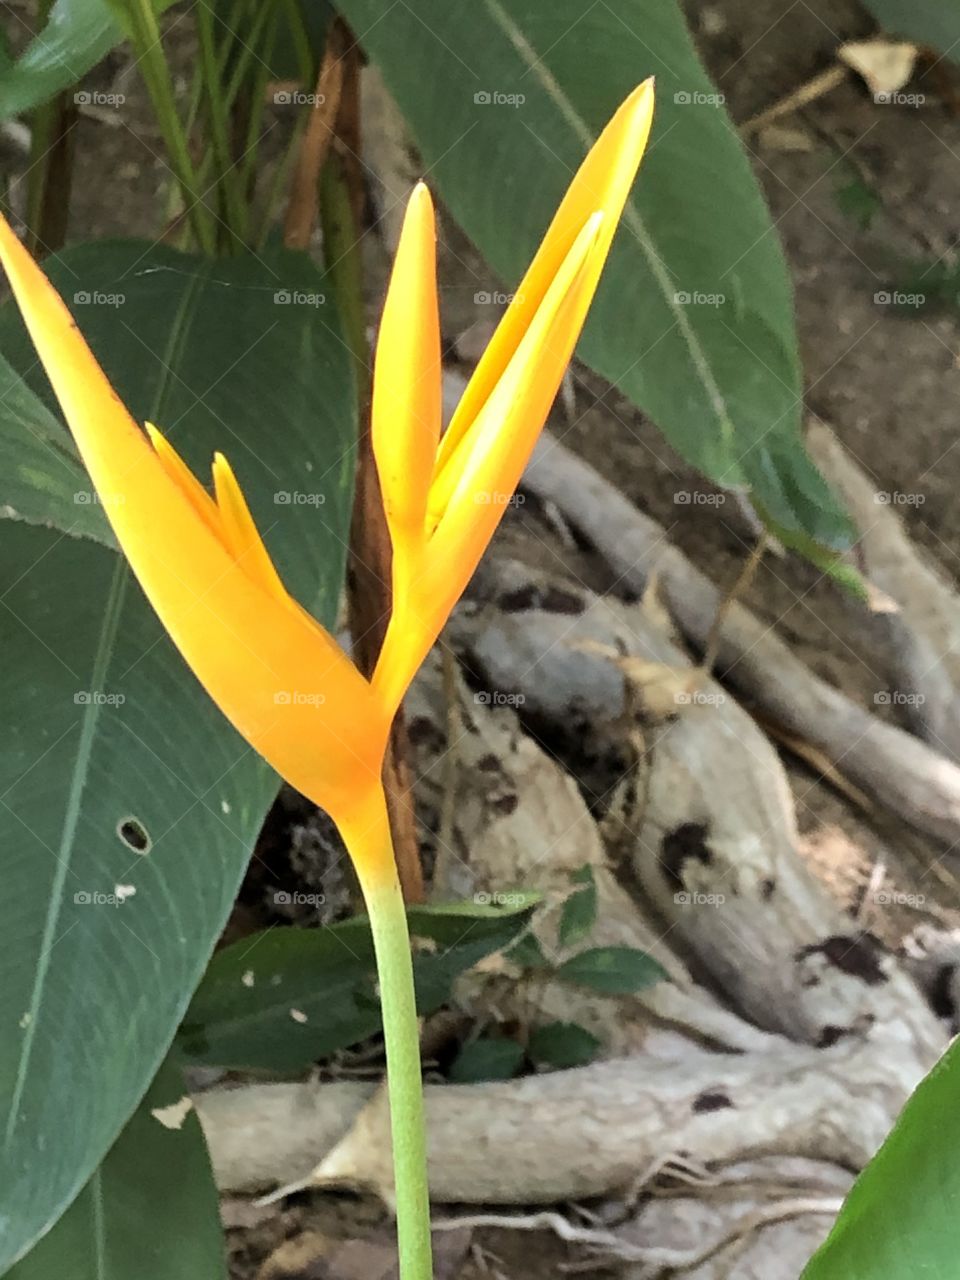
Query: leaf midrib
pixel 78 780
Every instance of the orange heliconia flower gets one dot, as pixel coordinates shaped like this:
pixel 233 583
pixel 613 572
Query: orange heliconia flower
pixel 202 563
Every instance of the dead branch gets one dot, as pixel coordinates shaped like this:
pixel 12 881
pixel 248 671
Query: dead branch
pixel 571 1134
pixel 705 820
pixel 903 773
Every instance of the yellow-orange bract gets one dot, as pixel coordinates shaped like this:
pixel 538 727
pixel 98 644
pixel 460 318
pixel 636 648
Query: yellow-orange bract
pixel 272 669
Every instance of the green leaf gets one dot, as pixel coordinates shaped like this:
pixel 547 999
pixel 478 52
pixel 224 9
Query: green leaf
pixel 108 734
pixel 932 22
pixel 151 1209
pixel 527 953
pixel 820 556
pixel 77 34
pixel 284 998
pixel 614 971
pixel 562 1044
pixel 900 1219
pixel 486 1059
pixel 462 933
pixel 44 481
pixel 694 317
pixel 450 923
pixel 580 909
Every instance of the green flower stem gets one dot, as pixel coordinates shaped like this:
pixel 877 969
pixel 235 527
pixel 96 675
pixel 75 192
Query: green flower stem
pixel 376 866
pixel 388 922
pixel 370 841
